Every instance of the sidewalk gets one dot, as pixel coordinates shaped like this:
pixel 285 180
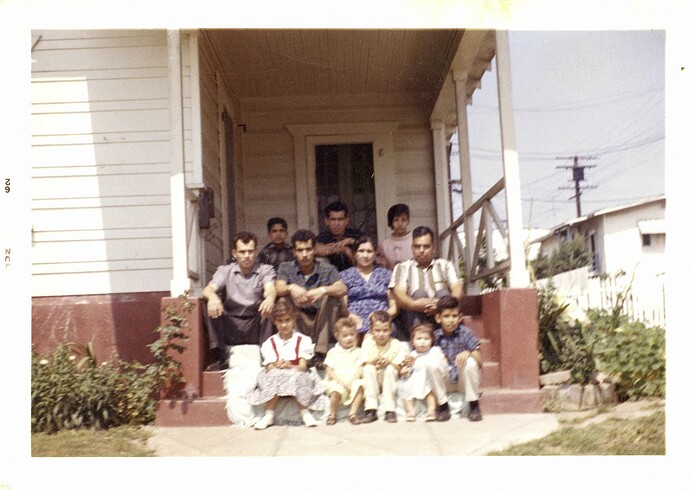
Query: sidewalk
pixel 457 437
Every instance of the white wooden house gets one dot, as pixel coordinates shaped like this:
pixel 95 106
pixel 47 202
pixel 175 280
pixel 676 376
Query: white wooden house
pixel 150 148
pixel 630 238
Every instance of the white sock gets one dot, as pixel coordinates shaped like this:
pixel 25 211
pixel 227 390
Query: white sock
pixel 266 420
pixel 308 418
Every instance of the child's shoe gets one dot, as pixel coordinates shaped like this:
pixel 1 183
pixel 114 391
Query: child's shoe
pixel 308 419
pixel 265 421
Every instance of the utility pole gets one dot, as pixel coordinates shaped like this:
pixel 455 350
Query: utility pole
pixel 578 176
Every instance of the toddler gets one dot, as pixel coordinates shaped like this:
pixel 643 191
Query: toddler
pixel 383 356
pixel 285 372
pixel 424 373
pixel 343 364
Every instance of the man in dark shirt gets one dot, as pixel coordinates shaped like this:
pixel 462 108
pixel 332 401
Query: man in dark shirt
pixel 315 287
pixel 335 243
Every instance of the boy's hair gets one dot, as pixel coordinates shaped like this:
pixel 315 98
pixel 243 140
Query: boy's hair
pixel 361 240
pixel 380 316
pixel 283 306
pixel 336 207
pixel 426 328
pixel 275 221
pixel 343 323
pixel 422 231
pixel 303 236
pixel 244 237
pixel 447 303
pixel 397 210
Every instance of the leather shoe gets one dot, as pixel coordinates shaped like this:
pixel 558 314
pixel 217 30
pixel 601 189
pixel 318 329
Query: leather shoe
pixel 475 414
pixel 390 417
pixel 443 413
pixel 368 417
pixel 317 361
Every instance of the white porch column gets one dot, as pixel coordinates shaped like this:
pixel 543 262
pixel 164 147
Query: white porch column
pixel 180 280
pixel 443 216
pixel 460 83
pixel 518 276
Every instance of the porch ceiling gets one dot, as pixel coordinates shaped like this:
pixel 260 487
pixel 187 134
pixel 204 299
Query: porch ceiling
pixel 328 62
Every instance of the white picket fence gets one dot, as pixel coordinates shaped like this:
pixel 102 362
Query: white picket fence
pixel 645 300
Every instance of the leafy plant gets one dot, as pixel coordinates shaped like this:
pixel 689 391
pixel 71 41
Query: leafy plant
pixel 629 352
pixel 167 369
pixel 562 345
pixel 572 254
pixel 70 389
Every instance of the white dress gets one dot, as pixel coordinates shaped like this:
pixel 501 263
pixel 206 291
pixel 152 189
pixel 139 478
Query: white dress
pixel 417 385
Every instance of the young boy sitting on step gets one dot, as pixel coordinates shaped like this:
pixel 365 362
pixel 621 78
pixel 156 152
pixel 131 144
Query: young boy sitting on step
pixel 383 356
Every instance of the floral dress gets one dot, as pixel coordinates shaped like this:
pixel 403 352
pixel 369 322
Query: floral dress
pixel 365 297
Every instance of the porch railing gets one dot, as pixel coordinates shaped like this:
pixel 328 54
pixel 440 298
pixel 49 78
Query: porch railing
pixel 453 248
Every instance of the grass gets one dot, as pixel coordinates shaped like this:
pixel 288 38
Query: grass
pixel 640 436
pixel 121 441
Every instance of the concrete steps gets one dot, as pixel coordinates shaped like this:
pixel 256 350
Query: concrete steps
pixel 503 321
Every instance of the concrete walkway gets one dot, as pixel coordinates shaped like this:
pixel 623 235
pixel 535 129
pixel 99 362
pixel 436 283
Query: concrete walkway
pixel 457 437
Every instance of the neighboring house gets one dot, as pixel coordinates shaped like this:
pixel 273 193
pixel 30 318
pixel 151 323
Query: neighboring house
pixel 151 148
pixel 628 246
pixel 629 238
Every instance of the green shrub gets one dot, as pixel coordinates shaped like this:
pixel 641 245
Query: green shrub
pixel 571 255
pixel 67 393
pixel 629 352
pixel 70 389
pixel 562 345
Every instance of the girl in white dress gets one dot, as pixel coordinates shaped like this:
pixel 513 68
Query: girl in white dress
pixel 343 381
pixel 416 375
pixel 285 372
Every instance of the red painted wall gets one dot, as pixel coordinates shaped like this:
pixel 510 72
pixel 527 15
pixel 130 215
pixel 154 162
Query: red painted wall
pixel 118 324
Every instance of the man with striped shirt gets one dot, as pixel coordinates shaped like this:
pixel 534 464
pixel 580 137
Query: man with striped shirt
pixel 419 282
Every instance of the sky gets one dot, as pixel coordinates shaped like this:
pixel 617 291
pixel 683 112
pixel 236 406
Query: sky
pixel 592 94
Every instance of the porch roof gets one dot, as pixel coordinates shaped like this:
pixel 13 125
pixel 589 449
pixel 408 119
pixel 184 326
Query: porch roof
pixel 413 63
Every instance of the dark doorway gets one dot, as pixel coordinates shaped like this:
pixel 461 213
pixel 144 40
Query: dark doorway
pixel 346 173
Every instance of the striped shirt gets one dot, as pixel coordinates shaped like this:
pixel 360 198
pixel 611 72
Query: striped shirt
pixel 438 275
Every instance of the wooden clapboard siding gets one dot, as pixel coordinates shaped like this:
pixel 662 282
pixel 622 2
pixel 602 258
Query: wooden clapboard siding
pixel 100 175
pixel 269 161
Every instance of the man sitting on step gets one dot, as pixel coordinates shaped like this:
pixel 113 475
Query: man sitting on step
pixel 250 293
pixel 315 287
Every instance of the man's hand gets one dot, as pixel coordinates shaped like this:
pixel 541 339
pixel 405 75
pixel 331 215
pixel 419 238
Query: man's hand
pixel 424 305
pixel 214 306
pixel 314 295
pixel 266 307
pixel 299 296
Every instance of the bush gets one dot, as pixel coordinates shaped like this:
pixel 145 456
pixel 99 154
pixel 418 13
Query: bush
pixel 562 345
pixel 570 255
pixel 70 390
pixel 67 393
pixel 629 352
